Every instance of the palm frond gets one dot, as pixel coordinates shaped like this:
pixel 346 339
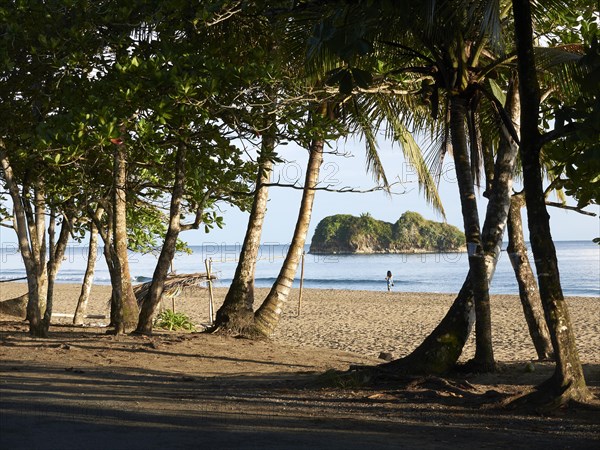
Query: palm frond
pixel 414 156
pixel 367 128
pixel 439 145
pixel 559 68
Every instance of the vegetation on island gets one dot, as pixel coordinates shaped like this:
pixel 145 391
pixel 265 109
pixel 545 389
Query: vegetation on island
pixel 412 233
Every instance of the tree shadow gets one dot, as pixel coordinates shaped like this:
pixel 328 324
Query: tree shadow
pixel 124 406
pixel 134 408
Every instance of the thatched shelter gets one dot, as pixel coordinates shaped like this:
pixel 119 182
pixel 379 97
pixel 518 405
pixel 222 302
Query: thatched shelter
pixel 174 285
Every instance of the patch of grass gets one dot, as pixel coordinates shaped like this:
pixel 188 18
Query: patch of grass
pixel 173 321
pixel 344 380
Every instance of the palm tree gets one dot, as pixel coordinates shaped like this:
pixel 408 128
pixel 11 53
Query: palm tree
pixel 269 313
pixel 568 382
pixel 237 311
pixel 450 69
pixel 350 110
pixel 528 288
pixel 443 50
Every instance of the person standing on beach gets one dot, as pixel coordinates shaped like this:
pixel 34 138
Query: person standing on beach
pixel 390 280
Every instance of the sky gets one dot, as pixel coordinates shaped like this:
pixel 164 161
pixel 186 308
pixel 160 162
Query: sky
pixel 350 172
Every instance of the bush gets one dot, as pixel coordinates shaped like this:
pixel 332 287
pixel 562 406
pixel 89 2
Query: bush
pixel 173 321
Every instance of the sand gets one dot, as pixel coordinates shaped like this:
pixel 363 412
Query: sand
pixel 83 388
pixel 362 322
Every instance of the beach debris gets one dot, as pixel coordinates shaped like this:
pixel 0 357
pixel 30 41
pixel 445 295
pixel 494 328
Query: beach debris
pixel 382 396
pixel 16 307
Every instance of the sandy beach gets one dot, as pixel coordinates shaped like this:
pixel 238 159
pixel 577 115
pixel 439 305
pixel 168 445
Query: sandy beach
pixel 84 387
pixel 361 322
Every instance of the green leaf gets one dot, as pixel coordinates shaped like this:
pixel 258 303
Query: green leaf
pixel 497 91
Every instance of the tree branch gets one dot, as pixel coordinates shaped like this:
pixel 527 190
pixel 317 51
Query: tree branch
pixel 196 223
pixel 557 133
pixel 558 204
pixel 234 9
pixel 571 208
pixel 554 184
pixel 199 213
pixel 343 190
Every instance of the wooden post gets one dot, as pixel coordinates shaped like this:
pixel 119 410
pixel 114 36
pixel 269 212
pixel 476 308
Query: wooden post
pixel 208 264
pixel 301 282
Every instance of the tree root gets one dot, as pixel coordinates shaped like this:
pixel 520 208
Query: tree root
pixel 548 398
pixel 474 366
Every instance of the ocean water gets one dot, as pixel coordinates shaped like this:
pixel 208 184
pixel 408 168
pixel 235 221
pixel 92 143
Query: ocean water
pixel 579 265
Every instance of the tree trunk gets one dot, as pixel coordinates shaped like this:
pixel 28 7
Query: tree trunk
pixel 484 356
pixel 114 282
pixel 528 289
pixel 268 315
pixel 36 220
pixel 165 258
pixel 57 253
pixel 30 227
pixel 106 233
pixel 88 279
pixel 105 230
pixel 237 312
pixel 441 349
pixel 438 353
pixel 127 308
pixel 568 382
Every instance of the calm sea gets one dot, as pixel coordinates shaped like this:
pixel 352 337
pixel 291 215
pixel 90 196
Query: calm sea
pixel 579 264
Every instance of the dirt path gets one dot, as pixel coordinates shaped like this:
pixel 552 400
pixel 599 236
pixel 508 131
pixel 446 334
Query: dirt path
pixel 84 389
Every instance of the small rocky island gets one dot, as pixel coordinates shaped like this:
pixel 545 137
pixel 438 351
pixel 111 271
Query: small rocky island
pixel 412 233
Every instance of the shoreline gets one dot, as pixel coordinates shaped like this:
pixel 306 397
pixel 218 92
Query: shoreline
pixel 415 251
pixel 305 288
pixel 362 322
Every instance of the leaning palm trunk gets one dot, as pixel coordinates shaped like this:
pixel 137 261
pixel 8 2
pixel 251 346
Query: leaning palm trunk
pixel 237 311
pixel 568 382
pixel 88 278
pixel 440 351
pixel 268 315
pixel 165 258
pixel 528 289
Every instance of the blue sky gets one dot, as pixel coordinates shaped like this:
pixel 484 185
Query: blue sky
pixel 350 172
